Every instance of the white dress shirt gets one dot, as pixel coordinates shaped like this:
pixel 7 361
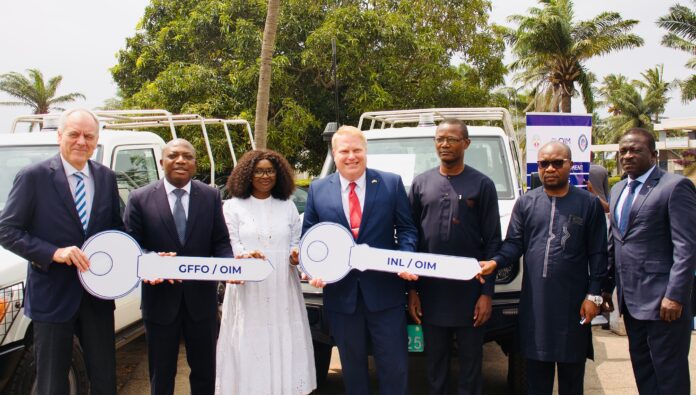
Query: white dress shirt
pixel 624 193
pixel 171 197
pixel 87 179
pixel 345 191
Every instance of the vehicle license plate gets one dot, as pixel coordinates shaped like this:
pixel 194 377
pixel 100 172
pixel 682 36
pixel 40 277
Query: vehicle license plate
pixel 415 338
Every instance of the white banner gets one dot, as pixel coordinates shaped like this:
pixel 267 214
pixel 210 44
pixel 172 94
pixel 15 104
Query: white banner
pixel 574 130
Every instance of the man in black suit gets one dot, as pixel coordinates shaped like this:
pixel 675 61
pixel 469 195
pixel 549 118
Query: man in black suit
pixel 455 208
pixel 178 215
pixel 54 206
pixel 653 256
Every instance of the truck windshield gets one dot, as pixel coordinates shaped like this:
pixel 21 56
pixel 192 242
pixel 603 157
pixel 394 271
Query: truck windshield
pixel 409 157
pixel 14 158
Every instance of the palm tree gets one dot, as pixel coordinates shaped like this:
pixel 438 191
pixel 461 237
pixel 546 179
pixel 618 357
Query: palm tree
pixel 638 103
pixel 655 88
pixel 551 49
pixel 630 111
pixel 680 22
pixel 262 96
pixel 34 92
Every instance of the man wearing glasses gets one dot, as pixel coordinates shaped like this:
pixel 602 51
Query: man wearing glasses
pixel 455 208
pixel 561 231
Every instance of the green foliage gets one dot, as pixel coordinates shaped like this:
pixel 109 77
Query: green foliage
pixel 551 50
pixel 613 180
pixel 203 57
pixel 636 103
pixel 303 182
pixel 680 22
pixel 34 91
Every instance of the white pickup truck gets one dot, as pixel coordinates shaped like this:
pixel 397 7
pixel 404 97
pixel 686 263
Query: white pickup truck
pixel 402 142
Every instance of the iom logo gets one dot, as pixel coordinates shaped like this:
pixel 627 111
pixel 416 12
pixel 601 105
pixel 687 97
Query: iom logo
pixel 583 143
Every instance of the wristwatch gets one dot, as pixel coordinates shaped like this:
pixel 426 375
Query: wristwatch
pixel 596 299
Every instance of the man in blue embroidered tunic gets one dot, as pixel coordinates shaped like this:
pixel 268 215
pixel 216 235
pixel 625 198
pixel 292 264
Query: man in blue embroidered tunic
pixel 561 231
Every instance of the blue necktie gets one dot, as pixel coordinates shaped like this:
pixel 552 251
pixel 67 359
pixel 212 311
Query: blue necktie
pixel 626 208
pixel 180 215
pixel 81 200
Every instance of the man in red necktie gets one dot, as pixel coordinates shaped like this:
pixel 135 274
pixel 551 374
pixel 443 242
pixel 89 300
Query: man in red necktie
pixel 373 206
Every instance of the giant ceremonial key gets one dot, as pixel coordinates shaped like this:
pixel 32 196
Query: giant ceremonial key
pixel 117 264
pixel 328 252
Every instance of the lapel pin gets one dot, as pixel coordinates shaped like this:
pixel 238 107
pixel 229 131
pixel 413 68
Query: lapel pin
pixel 374 181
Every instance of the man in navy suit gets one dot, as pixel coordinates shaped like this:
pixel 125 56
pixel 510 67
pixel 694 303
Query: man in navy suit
pixel 652 252
pixel 181 216
pixel 373 205
pixel 54 206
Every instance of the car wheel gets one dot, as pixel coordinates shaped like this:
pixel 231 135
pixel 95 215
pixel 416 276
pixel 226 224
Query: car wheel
pixel 517 375
pixel 24 379
pixel 322 360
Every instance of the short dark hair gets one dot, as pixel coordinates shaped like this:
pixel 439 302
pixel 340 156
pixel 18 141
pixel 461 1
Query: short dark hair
pixel 239 182
pixel 564 146
pixel 645 133
pixel 457 122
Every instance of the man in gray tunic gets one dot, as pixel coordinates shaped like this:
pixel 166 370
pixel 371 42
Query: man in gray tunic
pixel 561 231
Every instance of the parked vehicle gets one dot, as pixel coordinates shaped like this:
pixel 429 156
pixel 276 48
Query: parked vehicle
pixel 402 142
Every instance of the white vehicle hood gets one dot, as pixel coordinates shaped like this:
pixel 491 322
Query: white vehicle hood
pixel 13 269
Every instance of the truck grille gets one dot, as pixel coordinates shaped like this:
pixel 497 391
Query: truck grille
pixel 11 302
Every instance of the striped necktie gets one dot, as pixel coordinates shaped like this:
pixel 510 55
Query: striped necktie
pixel 81 200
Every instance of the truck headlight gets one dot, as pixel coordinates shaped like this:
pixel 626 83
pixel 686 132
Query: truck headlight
pixel 11 302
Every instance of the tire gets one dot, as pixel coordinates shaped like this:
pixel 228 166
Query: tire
pixel 322 360
pixel 24 379
pixel 517 374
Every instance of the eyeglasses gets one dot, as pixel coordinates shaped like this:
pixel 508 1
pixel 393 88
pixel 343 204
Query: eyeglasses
pixel 258 173
pixel 449 140
pixel 556 163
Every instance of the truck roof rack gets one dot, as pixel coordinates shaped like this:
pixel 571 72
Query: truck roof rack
pixel 390 119
pixel 144 119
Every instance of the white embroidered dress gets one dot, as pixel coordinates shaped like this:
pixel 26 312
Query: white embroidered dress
pixel 265 346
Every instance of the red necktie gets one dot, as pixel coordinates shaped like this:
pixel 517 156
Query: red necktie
pixel 354 210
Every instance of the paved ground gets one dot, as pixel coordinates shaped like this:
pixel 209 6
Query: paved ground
pixel 609 374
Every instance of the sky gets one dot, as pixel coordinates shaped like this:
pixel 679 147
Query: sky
pixel 79 39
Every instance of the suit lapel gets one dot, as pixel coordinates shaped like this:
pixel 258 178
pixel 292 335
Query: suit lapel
pixel 60 183
pixel 165 212
pixel 99 188
pixel 336 199
pixel 373 184
pixel 645 190
pixel 615 201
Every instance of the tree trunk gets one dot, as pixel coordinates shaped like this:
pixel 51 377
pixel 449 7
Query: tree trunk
pixel 262 96
pixel 565 102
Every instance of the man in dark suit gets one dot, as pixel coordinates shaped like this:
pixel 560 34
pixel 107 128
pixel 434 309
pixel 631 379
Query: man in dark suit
pixel 467 201
pixel 54 206
pixel 372 205
pixel 653 256
pixel 178 215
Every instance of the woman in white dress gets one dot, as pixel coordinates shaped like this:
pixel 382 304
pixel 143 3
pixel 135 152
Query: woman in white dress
pixel 265 346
